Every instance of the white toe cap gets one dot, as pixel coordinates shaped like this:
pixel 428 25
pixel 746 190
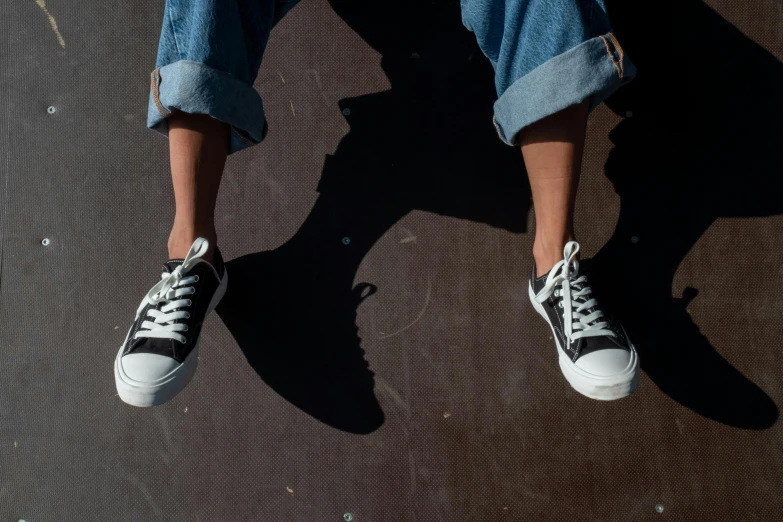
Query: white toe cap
pixel 605 362
pixel 147 367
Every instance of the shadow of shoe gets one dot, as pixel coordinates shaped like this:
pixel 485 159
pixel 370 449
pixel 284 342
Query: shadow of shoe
pixel 700 141
pixel 293 317
pixel 673 353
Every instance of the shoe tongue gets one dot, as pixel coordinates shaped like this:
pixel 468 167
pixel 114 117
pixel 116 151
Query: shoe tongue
pixel 171 265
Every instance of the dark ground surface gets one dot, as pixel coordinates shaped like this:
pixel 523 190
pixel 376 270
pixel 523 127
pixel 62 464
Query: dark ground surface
pixel 404 376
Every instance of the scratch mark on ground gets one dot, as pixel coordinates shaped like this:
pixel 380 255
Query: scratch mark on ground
pixel 409 236
pixel 164 426
pixel 145 492
pixel 292 108
pixel 412 469
pixel 678 422
pixel 52 22
pixel 418 318
pixel 392 393
pixel 281 76
pixel 317 78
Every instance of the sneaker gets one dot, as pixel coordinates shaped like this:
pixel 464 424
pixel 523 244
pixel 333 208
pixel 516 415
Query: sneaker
pixel 596 356
pixel 160 352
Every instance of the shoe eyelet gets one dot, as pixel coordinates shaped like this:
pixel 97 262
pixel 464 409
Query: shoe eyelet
pixel 188 315
pixel 186 328
pixel 196 279
pixel 560 304
pixel 189 302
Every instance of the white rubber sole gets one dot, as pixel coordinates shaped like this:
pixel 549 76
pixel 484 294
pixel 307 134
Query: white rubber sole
pixel 599 387
pixel 145 394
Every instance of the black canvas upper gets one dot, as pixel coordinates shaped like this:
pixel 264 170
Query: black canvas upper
pixel 584 345
pixel 205 288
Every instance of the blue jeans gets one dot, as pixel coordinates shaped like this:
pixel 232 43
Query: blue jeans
pixel 547 55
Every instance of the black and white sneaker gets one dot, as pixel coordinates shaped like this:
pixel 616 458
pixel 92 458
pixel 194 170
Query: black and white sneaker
pixel 596 356
pixel 160 352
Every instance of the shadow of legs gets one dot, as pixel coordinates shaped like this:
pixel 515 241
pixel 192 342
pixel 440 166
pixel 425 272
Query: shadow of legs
pixel 702 143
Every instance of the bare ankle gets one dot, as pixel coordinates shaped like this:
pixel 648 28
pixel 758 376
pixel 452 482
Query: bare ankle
pixel 181 240
pixel 548 252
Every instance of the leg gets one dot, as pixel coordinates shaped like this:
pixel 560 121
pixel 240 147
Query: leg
pixel 554 61
pixel 198 146
pixel 200 93
pixel 202 97
pixel 548 78
pixel 552 148
pixel 596 357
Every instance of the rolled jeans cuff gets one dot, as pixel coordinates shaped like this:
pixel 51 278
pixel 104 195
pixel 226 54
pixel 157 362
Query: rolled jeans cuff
pixel 196 88
pixel 593 69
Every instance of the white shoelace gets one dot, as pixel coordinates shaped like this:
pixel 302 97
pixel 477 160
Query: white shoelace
pixel 170 289
pixel 575 298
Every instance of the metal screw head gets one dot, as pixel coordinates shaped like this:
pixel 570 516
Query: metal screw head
pixel 346 241
pixel 629 114
pixel 346 112
pixel 348 517
pixel 659 508
pixel 634 239
pixel 45 241
pixel 51 110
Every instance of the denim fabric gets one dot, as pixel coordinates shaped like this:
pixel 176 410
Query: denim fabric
pixel 547 55
pixel 208 59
